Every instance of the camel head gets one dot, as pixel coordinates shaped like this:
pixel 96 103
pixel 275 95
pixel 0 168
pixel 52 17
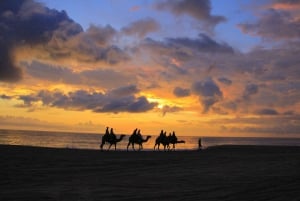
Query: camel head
pixel 121 137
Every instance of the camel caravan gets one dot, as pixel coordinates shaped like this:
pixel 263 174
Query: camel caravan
pixel 136 138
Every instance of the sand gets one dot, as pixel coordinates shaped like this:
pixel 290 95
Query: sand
pixel 218 173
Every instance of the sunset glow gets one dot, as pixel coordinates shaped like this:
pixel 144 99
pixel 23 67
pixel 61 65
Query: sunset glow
pixel 200 68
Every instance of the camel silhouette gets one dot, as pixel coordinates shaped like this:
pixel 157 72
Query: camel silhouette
pixel 173 140
pixel 162 139
pixel 136 138
pixel 167 140
pixel 110 138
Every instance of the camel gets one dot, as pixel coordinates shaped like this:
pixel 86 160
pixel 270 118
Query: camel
pixel 136 138
pixel 111 139
pixel 173 140
pixel 167 140
pixel 162 139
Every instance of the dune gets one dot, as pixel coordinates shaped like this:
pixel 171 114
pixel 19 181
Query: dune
pixel 216 173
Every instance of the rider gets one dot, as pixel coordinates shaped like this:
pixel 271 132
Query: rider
pixel 174 136
pixel 107 131
pixel 139 133
pixel 112 134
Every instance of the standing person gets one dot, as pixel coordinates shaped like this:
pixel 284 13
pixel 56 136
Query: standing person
pixel 199 144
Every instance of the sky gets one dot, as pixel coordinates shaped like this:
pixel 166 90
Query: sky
pixel 199 68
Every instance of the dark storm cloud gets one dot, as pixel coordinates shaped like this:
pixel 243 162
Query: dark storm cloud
pixel 29 24
pixel 274 24
pixel 200 10
pixel 209 93
pixel 181 92
pixel 117 100
pixel 141 28
pixel 25 22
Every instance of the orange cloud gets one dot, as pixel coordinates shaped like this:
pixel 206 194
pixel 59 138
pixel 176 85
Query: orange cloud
pixel 286 6
pixel 135 8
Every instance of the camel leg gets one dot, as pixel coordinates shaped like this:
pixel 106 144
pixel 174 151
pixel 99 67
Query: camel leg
pixel 128 145
pixel 115 146
pixel 109 146
pixel 101 146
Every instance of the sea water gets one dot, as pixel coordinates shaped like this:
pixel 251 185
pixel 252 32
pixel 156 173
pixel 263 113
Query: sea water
pixel 92 141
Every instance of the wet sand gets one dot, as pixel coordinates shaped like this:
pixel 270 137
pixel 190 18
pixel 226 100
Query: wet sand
pixel 217 173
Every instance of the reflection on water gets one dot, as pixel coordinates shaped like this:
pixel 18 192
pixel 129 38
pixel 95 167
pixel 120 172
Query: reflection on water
pixel 92 141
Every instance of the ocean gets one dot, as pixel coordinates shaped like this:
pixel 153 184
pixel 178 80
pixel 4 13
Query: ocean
pixel 92 141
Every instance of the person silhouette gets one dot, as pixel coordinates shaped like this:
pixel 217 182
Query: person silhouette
pixel 199 144
pixel 107 131
pixel 112 134
pixel 139 133
pixel 134 132
pixel 174 137
pixel 161 133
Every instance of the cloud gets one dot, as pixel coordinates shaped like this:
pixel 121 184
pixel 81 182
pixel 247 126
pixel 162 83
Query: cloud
pixel 289 5
pixel 50 35
pixel 118 100
pixel 181 92
pixel 170 109
pixel 203 44
pixel 209 93
pixel 274 24
pixel 199 10
pixel 96 44
pixel 141 27
pixel 125 91
pixel 26 22
pixel 177 52
pixel 276 124
pixel 135 8
pixel 5 97
pixel 225 81
pixel 267 111
pixel 128 104
pixel 250 90
pixel 105 78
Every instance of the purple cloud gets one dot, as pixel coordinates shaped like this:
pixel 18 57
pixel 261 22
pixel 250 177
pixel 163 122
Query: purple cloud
pixel 209 93
pixel 199 10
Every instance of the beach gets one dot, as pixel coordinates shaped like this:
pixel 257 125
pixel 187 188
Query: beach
pixel 216 173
